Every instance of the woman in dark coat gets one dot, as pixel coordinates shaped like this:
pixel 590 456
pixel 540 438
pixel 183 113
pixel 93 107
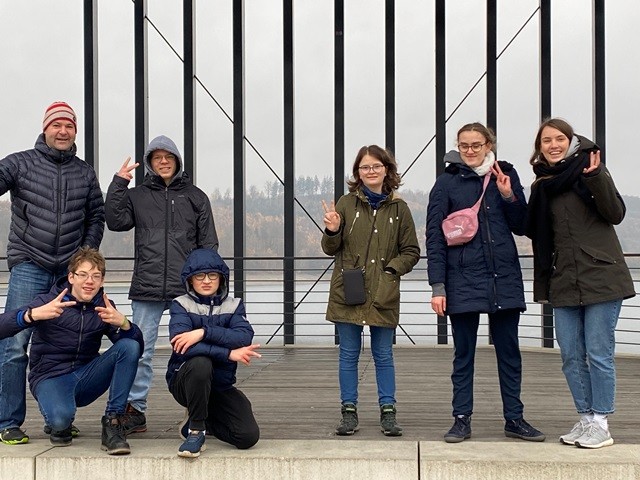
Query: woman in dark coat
pixel 480 276
pixel 580 269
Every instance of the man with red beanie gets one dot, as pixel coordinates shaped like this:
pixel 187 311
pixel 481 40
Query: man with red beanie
pixel 56 208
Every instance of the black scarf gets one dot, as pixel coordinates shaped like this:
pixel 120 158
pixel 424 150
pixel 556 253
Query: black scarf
pixel 552 181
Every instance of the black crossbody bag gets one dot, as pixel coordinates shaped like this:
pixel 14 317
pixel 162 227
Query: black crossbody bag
pixel 353 278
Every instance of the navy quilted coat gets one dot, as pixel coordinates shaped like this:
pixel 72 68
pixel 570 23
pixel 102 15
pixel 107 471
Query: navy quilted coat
pixel 484 274
pixel 223 319
pixel 56 205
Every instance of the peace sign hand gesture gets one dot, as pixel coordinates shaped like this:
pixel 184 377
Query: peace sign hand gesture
pixel 331 217
pixel 110 315
pixel 53 309
pixel 594 162
pixel 502 181
pixel 125 169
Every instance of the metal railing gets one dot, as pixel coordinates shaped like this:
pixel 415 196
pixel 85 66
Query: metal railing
pixel 264 299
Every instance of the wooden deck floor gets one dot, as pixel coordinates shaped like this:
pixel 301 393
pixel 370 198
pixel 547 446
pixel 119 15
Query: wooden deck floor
pixel 295 395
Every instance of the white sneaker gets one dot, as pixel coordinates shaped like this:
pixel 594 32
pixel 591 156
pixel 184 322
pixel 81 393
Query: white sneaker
pixel 594 436
pixel 575 433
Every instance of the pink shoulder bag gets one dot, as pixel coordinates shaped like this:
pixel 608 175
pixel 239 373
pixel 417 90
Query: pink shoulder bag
pixel 460 227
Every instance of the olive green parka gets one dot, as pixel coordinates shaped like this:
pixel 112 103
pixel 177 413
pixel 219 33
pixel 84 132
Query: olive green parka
pixel 394 248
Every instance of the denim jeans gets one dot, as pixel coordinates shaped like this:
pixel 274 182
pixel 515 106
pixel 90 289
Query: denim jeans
pixel 147 316
pixel 503 326
pixel 382 351
pixel 59 397
pixel 26 281
pixel 586 336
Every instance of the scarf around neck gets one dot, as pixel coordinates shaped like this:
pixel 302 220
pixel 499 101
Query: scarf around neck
pixel 374 198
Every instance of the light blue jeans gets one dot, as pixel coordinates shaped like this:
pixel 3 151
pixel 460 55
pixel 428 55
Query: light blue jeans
pixel 26 281
pixel 147 316
pixel 587 340
pixel 59 397
pixel 382 351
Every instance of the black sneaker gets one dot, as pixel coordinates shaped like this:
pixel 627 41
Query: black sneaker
pixel 13 436
pixel 113 437
pixel 133 421
pixel 521 429
pixel 349 423
pixel 74 430
pixel 460 431
pixel 388 423
pixel 61 439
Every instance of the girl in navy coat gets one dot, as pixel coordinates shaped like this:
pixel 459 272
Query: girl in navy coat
pixel 480 276
pixel 210 334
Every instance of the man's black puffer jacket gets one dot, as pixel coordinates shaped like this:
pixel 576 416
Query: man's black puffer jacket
pixel 56 205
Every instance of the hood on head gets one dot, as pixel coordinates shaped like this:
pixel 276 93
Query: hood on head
pixel 162 143
pixel 204 260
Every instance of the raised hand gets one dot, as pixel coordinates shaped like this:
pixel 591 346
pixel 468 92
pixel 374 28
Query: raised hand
pixel 331 217
pixel 109 314
pixel 126 169
pixel 53 309
pixel 244 354
pixel 594 162
pixel 184 340
pixel 502 181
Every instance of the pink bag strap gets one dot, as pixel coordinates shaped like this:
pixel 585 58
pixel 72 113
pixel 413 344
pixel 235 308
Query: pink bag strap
pixel 476 206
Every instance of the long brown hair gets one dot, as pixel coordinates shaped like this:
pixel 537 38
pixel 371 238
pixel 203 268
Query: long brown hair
pixel 391 181
pixel 556 123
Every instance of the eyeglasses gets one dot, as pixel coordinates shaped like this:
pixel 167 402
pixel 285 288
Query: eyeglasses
pixel 169 157
pixel 210 275
pixel 476 147
pixel 83 276
pixel 367 168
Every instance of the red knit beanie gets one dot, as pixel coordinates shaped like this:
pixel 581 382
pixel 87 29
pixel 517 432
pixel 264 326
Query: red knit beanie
pixel 58 111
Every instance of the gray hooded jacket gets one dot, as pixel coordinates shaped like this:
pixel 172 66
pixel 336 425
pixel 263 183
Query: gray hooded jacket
pixel 169 220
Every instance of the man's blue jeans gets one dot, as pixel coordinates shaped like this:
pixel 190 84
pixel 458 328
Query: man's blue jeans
pixel 59 397
pixel 587 340
pixel 382 351
pixel 26 281
pixel 147 316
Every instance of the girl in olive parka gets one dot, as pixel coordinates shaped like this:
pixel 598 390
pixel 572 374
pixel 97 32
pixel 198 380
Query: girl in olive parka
pixel 371 228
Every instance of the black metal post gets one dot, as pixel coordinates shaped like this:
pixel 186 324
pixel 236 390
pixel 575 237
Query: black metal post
pixel 189 46
pixel 441 118
pixel 492 66
pixel 599 67
pixel 141 84
pixel 338 108
pixel 390 79
pixel 289 175
pixel 239 240
pixel 91 152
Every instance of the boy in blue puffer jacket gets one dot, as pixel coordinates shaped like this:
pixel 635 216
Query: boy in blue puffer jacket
pixel 210 334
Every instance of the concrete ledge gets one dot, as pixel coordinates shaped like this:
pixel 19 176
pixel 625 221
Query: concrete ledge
pixel 269 459
pixel 348 459
pixel 512 460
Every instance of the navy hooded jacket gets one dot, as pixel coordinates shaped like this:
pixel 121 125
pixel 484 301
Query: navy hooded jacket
pixel 484 274
pixel 223 319
pixel 66 343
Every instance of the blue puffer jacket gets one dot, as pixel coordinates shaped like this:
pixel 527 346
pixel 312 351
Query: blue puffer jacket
pixel 223 319
pixel 483 275
pixel 56 205
pixel 64 344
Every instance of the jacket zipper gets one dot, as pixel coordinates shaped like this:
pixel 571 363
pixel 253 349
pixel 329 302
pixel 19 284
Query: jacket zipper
pixel 490 241
pixel 80 336
pixel 58 216
pixel 166 241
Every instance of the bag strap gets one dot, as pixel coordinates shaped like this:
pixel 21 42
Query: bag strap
pixel 476 206
pixel 373 227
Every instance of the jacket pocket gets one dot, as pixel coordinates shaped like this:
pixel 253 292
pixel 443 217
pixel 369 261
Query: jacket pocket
pixel 597 255
pixel 387 295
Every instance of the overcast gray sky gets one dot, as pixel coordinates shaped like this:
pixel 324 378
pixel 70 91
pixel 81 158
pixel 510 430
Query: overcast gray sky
pixel 41 61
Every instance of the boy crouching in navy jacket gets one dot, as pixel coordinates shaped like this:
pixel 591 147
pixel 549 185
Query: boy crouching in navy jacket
pixel 210 334
pixel 66 368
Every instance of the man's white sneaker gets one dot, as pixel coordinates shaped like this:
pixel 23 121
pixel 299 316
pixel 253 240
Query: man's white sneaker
pixel 594 436
pixel 575 433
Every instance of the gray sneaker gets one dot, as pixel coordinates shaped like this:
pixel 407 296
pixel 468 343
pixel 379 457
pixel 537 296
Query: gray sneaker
pixel 575 433
pixel 594 436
